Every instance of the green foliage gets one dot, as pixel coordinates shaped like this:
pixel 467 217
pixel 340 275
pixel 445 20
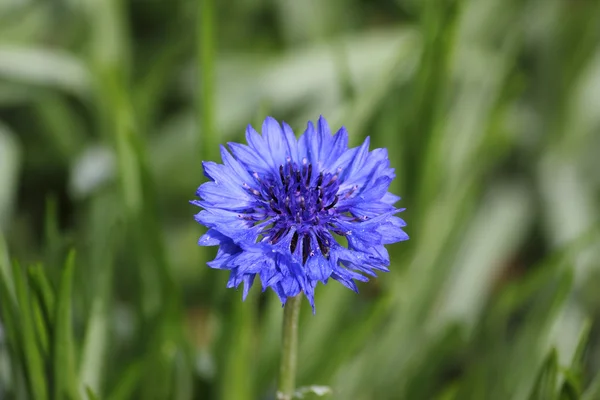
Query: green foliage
pixel 488 109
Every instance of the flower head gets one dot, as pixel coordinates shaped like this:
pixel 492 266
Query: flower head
pixel 299 211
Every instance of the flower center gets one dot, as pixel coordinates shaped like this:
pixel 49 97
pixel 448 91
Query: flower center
pixel 302 199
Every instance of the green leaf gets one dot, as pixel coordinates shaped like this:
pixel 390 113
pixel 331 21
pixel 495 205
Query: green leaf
pixel 63 367
pixel 237 374
pixel 545 387
pixel 90 394
pixel 570 388
pixel 593 391
pixel 126 386
pixel 33 357
pixel 41 328
pixel 96 336
pixel 6 271
pixel 43 290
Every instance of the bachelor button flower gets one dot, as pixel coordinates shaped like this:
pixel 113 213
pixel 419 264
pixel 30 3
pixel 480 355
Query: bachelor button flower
pixel 296 212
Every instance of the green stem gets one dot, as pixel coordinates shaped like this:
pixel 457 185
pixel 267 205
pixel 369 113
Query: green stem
pixel 289 348
pixel 206 78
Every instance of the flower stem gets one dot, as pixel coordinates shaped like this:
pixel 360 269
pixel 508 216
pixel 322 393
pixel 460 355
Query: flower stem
pixel 289 348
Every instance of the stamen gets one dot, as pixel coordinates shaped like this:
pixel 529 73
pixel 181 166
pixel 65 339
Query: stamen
pixel 287 204
pixel 324 246
pixel 281 175
pixel 278 235
pixel 333 203
pixel 294 242
pixel 272 193
pixel 294 201
pixel 274 207
pixel 351 191
pixel 305 248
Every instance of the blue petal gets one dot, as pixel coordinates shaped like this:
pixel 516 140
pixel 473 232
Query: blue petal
pixel 236 168
pixel 220 196
pixel 372 191
pixel 342 161
pixel 391 232
pixel 307 144
pixel 309 292
pixel 290 143
pixel 259 145
pixel 355 166
pixel 366 169
pixel 274 136
pixel 323 140
pixel 248 280
pixel 227 251
pixel 269 276
pixel 349 283
pixel 229 224
pixel 280 291
pixel 318 268
pixel 211 238
pixel 371 209
pixel 235 279
pixel 291 287
pixel 249 158
pixel 390 198
pixel 338 146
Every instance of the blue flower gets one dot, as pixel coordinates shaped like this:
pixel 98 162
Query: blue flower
pixel 299 211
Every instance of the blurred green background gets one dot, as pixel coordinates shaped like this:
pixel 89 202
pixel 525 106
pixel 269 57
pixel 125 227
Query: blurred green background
pixel 489 109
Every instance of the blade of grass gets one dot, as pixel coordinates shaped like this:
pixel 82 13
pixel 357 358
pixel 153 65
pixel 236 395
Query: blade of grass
pixel 126 386
pixel 5 270
pixel 44 291
pixel 593 390
pixel 237 375
pixel 33 359
pixel 65 385
pixel 41 328
pixel 206 77
pixel 96 336
pixel 545 387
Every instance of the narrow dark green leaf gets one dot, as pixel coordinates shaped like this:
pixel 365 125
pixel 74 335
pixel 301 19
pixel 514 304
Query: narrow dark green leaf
pixel 584 337
pixel 570 389
pixel 127 385
pixel 90 394
pixel 41 328
pixel 43 290
pixel 31 350
pixel 8 308
pixel 573 377
pixel 237 374
pixel 5 269
pixel 545 387
pixel 96 336
pixel 593 390
pixel 63 366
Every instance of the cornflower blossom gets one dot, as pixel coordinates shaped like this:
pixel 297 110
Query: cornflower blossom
pixel 299 211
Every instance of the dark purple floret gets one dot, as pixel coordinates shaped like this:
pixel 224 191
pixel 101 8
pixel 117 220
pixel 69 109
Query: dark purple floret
pixel 296 212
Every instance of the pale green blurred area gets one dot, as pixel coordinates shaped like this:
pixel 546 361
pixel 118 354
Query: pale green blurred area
pixel 490 113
